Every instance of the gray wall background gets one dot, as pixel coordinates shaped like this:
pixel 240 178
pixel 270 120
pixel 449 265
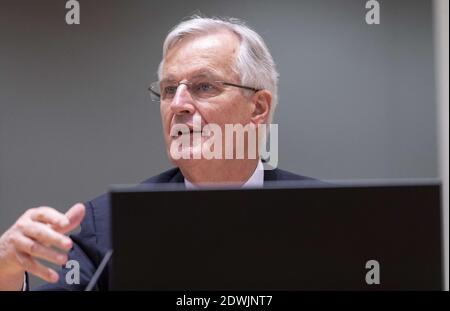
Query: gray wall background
pixel 356 101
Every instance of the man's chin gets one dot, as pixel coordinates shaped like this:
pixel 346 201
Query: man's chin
pixel 186 156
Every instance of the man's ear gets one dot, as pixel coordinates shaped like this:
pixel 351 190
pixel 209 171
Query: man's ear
pixel 262 101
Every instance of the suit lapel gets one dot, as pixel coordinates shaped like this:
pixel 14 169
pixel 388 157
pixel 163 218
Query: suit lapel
pixel 270 175
pixel 177 177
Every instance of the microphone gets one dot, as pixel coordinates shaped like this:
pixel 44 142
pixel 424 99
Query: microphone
pixel 99 271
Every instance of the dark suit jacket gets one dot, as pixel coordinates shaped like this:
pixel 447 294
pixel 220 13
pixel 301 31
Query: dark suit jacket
pixel 93 241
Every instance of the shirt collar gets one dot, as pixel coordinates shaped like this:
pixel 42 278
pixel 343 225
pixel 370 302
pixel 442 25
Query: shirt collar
pixel 255 181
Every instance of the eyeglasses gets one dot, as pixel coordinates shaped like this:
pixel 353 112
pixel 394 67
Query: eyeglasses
pixel 201 89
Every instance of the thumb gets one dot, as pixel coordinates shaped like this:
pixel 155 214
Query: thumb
pixel 75 215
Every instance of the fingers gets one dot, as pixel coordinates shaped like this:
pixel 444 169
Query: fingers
pixel 75 215
pixel 34 267
pixel 33 237
pixel 50 216
pixel 35 249
pixel 47 236
pixel 61 222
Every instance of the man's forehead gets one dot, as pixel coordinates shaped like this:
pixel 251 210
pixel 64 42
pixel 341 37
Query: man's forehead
pixel 208 54
pixel 209 73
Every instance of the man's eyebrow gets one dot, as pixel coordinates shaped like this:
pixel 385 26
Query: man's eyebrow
pixel 168 79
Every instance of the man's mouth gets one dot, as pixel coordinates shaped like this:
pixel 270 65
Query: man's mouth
pixel 190 132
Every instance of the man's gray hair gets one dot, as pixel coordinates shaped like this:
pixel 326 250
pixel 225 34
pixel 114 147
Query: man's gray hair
pixel 254 64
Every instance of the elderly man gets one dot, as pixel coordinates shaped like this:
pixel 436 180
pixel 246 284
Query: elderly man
pixel 214 71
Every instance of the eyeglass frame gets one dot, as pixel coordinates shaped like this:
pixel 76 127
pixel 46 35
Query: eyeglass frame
pixel 189 83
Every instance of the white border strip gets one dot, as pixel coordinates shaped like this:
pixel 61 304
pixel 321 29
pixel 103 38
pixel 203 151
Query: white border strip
pixel 440 17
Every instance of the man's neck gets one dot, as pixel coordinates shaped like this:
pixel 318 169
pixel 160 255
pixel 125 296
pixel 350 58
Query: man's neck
pixel 235 172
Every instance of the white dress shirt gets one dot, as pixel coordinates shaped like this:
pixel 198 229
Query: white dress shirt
pixel 255 181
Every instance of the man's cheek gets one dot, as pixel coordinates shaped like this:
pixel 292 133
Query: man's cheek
pixel 166 122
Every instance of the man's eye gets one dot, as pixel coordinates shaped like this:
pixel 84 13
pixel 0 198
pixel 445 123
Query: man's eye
pixel 170 90
pixel 204 87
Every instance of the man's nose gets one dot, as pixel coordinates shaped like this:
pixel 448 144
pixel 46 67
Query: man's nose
pixel 182 103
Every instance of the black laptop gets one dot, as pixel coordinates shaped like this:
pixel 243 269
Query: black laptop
pixel 285 236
